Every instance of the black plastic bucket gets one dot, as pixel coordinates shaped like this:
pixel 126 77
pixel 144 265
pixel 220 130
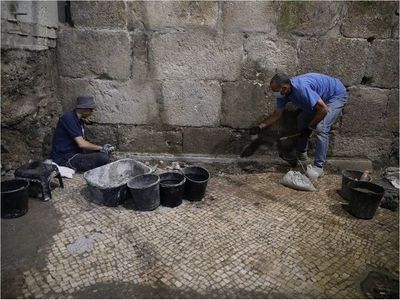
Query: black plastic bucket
pixel 349 176
pixel 364 198
pixel 145 192
pixel 14 198
pixel 196 182
pixel 172 189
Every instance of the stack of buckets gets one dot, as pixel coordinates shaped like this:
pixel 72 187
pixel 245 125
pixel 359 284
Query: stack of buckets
pixel 169 189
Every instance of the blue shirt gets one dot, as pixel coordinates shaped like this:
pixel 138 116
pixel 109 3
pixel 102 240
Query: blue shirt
pixel 308 88
pixel 69 126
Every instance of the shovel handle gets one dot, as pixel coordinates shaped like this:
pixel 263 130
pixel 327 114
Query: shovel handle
pixel 290 136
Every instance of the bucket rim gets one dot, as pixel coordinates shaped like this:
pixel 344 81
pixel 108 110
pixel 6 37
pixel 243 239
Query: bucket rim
pixel 199 181
pixel 18 189
pixel 183 181
pixel 143 175
pixel 377 186
pixel 345 174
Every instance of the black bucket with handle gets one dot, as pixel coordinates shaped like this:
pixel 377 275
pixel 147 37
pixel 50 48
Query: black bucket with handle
pixel 196 182
pixel 145 192
pixel 172 189
pixel 14 198
pixel 349 176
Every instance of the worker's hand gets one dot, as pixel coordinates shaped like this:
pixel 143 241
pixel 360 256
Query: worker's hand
pixel 254 130
pixel 306 132
pixel 107 148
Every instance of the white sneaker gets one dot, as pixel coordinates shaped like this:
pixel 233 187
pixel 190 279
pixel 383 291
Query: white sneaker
pixel 314 172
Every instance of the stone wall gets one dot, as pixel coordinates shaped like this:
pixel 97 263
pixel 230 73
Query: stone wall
pixel 29 106
pixel 190 77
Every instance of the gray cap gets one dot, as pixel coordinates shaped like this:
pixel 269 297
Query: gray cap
pixel 85 102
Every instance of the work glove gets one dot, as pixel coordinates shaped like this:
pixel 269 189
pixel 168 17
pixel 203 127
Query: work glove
pixel 306 132
pixel 254 130
pixel 107 148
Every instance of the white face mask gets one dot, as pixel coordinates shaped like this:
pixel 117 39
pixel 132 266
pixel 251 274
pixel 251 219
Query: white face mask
pixel 277 95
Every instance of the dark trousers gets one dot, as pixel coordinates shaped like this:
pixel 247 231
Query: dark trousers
pixel 83 162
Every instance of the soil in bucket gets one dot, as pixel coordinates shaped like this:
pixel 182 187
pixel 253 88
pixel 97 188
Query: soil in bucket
pixel 196 182
pixel 145 192
pixel 364 199
pixel 349 176
pixel 14 198
pixel 172 189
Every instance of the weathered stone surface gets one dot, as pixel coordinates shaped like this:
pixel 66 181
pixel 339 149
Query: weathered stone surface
pixel 139 139
pixel 140 69
pixel 392 122
pixel 370 19
pixel 374 148
pixel 95 54
pixel 98 14
pixel 214 140
pixel 191 103
pixel 383 65
pixel 117 103
pixel 102 134
pixel 244 104
pixel 342 58
pixel 158 15
pixel 250 16
pixel 196 56
pixel 312 18
pixel 265 57
pixel 365 112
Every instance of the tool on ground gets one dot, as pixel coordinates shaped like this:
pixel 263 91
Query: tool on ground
pixel 290 136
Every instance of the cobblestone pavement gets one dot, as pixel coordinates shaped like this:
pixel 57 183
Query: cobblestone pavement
pixel 250 237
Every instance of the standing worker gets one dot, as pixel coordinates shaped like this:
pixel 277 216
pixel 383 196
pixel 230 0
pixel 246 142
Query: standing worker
pixel 321 99
pixel 70 147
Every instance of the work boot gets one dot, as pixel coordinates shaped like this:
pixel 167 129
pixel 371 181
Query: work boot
pixel 314 172
pixel 302 155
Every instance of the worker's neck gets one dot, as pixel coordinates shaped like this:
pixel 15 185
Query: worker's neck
pixel 79 115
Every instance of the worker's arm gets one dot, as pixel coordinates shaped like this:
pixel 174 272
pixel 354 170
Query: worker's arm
pixel 322 110
pixel 83 144
pixel 271 118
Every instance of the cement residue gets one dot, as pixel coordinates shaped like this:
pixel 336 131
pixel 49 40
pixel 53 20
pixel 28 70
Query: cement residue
pixel 81 245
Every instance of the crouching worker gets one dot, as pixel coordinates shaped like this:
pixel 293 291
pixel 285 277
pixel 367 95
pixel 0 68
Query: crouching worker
pixel 70 147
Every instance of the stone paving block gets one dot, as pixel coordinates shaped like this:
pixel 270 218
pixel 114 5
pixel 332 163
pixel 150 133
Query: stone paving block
pixel 244 104
pixel 117 103
pixel 313 18
pixel 383 67
pixel 367 19
pixel 213 140
pixel 350 164
pixel 365 112
pixel 102 134
pixel 250 16
pixel 191 103
pixel 202 55
pixel 98 14
pixel 342 58
pixel 139 139
pixel 266 57
pixel 93 54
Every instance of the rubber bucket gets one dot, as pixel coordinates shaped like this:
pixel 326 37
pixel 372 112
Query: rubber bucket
pixel 172 189
pixel 145 192
pixel 364 198
pixel 196 182
pixel 349 176
pixel 14 198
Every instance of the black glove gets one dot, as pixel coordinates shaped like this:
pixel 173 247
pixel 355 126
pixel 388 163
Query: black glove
pixel 306 132
pixel 107 148
pixel 254 130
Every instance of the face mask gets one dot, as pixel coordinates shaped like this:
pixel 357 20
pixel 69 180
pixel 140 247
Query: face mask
pixel 277 95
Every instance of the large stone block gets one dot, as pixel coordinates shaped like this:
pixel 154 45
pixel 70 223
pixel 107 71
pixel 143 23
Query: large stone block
pixel 265 57
pixel 365 112
pixel 139 139
pixel 117 103
pixel 159 15
pixel 191 103
pixel 392 122
pixel 140 65
pixel 370 19
pixel 94 54
pixel 214 140
pixel 383 65
pixel 244 104
pixel 202 55
pixel 342 58
pixel 374 148
pixel 250 16
pixel 102 134
pixel 98 14
pixel 311 18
